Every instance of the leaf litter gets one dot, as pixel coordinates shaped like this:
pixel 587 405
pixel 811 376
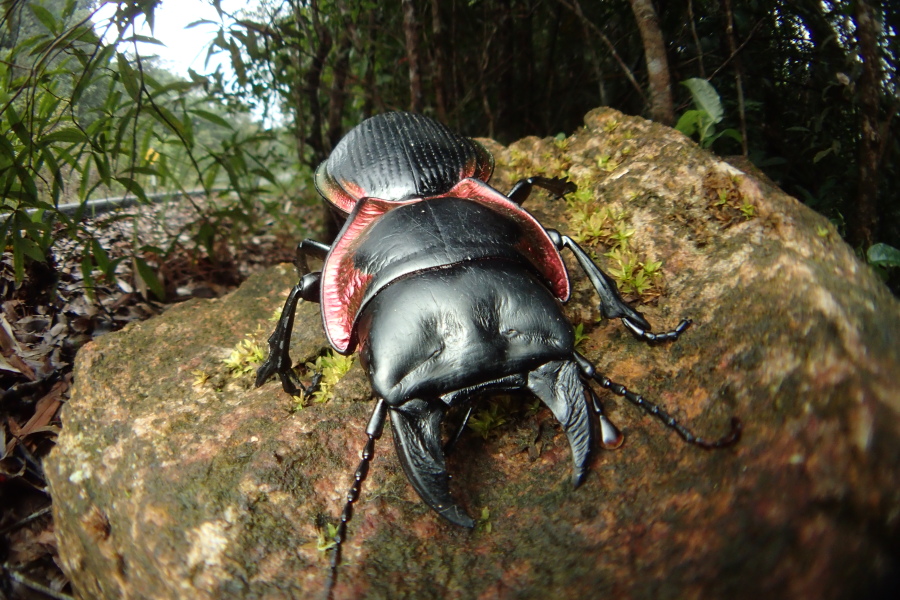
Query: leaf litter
pixel 54 311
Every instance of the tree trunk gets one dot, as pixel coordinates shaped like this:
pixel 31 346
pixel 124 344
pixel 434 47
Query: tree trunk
pixel 738 72
pixel 411 33
pixel 315 136
pixel 440 59
pixel 862 222
pixel 338 93
pixel 662 108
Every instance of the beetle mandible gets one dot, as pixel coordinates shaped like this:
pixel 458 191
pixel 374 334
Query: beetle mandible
pixel 449 290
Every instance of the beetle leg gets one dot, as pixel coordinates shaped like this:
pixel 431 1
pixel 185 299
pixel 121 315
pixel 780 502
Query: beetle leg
pixel 558 386
pixel 374 431
pixel 459 431
pixel 558 186
pixel 306 248
pixel 279 359
pixel 611 304
pixel 617 388
pixel 416 427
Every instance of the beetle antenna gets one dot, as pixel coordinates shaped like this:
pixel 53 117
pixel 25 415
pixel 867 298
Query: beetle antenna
pixel 668 420
pixel 374 430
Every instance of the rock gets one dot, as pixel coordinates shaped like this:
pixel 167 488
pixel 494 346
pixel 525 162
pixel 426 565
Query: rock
pixel 174 478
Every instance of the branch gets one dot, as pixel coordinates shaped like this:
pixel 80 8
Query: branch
pixel 576 8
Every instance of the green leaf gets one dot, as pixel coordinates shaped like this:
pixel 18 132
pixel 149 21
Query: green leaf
pixel 102 162
pixel 705 97
pixel 134 187
pixel 44 16
pixel 100 256
pixel 69 9
pixel 129 80
pixel 689 122
pixel 883 255
pixel 733 134
pixel 237 62
pixel 31 249
pixel 87 266
pixel 71 135
pixel 193 24
pixel 18 257
pixel 146 273
pixel 168 118
pixel 212 117
pixel 145 39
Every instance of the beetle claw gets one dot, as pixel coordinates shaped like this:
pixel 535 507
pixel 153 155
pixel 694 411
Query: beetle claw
pixel 416 427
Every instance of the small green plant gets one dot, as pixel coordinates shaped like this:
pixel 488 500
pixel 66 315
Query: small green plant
pixel 621 235
pixel 590 225
pixel 486 420
pixel 580 335
pixel 702 120
pixel 245 357
pixel 748 210
pixel 632 275
pixel 484 521
pixel 583 195
pixel 652 267
pixel 325 538
pixel 200 377
pixel 883 257
pixel 298 403
pixel 332 367
pixel 561 142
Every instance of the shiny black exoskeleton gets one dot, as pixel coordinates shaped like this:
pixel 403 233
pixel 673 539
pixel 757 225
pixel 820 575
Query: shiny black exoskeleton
pixel 449 289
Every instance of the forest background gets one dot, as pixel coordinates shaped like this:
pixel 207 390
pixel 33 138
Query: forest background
pixel 808 95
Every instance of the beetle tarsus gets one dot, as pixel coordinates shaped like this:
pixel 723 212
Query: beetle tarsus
pixel 373 431
pixel 668 336
pixel 558 186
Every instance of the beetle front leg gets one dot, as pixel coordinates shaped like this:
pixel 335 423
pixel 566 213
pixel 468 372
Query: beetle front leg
pixel 306 248
pixel 558 186
pixel 279 359
pixel 612 306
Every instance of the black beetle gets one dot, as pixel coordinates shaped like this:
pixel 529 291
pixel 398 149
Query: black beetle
pixel 449 289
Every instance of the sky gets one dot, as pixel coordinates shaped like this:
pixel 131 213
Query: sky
pixel 183 48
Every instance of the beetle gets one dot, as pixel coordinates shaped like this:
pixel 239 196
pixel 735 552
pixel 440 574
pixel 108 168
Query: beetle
pixel 449 290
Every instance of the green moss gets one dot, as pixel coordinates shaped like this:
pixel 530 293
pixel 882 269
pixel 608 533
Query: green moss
pixel 245 357
pixel 612 229
pixel 332 367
